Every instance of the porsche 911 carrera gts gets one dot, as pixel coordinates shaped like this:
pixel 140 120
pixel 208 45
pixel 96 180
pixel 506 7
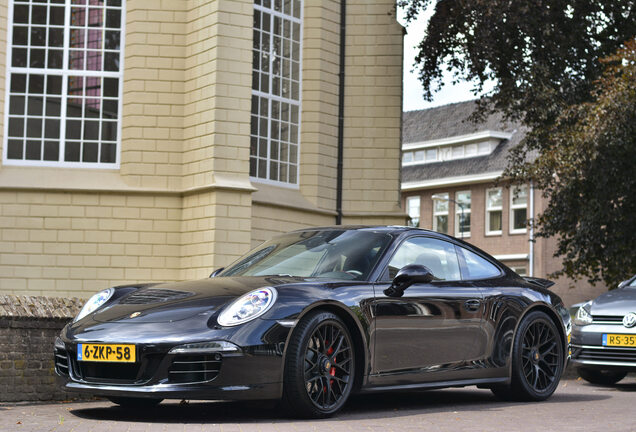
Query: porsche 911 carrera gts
pixel 314 315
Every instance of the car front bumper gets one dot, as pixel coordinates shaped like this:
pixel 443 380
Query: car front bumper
pixel 588 349
pixel 244 372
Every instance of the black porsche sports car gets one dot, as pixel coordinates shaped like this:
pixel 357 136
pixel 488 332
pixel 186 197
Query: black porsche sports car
pixel 313 315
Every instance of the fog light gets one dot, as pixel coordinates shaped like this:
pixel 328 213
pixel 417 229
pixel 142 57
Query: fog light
pixel 204 347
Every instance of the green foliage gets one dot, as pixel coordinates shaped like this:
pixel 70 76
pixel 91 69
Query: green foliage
pixel 587 171
pixel 545 58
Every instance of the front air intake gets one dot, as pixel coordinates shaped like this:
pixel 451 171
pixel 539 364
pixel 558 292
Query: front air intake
pixel 187 369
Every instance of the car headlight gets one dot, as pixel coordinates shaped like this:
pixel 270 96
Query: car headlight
pixel 583 316
pixel 95 303
pixel 247 307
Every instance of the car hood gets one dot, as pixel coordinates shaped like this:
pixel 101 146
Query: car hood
pixel 180 300
pixel 617 302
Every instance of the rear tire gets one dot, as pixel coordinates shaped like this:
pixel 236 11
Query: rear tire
pixel 537 360
pixel 319 367
pixel 134 403
pixel 601 377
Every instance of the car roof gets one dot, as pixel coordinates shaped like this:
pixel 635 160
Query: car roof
pixel 390 229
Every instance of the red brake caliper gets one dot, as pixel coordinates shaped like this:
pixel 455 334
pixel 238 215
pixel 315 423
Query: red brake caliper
pixel 332 372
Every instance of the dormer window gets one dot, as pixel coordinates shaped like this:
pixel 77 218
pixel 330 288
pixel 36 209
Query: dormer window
pixel 460 147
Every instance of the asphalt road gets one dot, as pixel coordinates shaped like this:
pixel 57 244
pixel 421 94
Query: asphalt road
pixel 575 406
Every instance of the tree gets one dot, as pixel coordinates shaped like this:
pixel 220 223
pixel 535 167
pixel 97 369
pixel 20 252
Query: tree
pixel 588 174
pixel 546 58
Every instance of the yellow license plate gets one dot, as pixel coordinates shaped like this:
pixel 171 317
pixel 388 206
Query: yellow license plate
pixel 619 340
pixel 106 353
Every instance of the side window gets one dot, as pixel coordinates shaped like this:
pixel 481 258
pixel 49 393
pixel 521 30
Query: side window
pixel 439 256
pixel 476 267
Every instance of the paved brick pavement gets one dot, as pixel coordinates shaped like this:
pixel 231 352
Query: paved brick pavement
pixel 576 406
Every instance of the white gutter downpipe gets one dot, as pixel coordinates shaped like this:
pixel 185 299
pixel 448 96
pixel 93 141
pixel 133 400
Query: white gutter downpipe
pixel 531 253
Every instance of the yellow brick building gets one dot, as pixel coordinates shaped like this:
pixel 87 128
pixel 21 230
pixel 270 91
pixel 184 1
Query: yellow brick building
pixel 153 140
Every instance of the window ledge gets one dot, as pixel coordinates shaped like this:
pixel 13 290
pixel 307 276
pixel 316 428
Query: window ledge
pixel 286 197
pixel 107 181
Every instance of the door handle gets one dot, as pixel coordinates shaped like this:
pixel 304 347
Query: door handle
pixel 472 305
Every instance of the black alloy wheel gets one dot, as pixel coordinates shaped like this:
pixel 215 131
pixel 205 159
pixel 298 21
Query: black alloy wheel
pixel 541 355
pixel 320 366
pixel 601 377
pixel 537 360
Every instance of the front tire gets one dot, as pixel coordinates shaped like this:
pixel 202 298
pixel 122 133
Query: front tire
pixel 537 360
pixel 601 377
pixel 319 367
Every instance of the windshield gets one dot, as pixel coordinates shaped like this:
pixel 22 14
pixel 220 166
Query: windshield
pixel 333 254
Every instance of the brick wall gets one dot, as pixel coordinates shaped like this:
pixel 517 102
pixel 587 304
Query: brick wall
pixel 74 244
pixel 152 120
pixel 28 327
pixel 373 112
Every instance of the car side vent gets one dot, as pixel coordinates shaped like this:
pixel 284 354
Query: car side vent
pixel 194 368
pixel 61 362
pixel 154 295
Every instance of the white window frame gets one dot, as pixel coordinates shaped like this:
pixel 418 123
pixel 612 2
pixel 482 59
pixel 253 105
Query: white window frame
pixel 489 209
pixel 272 97
pixel 441 213
pixel 458 212
pixel 64 72
pixel 410 210
pixel 513 207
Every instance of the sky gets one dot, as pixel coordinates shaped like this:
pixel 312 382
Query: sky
pixel 412 87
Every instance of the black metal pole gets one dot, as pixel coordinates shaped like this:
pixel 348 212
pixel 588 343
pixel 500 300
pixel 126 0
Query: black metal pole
pixel 341 90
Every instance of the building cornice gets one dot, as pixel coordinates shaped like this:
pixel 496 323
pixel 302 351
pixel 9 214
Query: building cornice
pixel 460 139
pixel 451 181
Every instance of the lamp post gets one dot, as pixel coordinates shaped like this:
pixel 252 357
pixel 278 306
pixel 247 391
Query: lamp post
pixel 436 197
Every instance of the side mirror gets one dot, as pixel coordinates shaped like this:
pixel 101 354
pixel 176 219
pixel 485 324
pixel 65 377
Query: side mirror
pixel 407 276
pixel 216 272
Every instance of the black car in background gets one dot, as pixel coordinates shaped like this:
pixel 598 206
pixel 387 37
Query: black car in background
pixel 313 315
pixel 604 335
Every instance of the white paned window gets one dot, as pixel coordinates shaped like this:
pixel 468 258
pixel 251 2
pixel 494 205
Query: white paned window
pixel 413 210
pixel 462 214
pixel 63 97
pixel 276 87
pixel 494 211
pixel 440 213
pixel 518 209
pixel 484 148
pixel 447 152
pixel 431 155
